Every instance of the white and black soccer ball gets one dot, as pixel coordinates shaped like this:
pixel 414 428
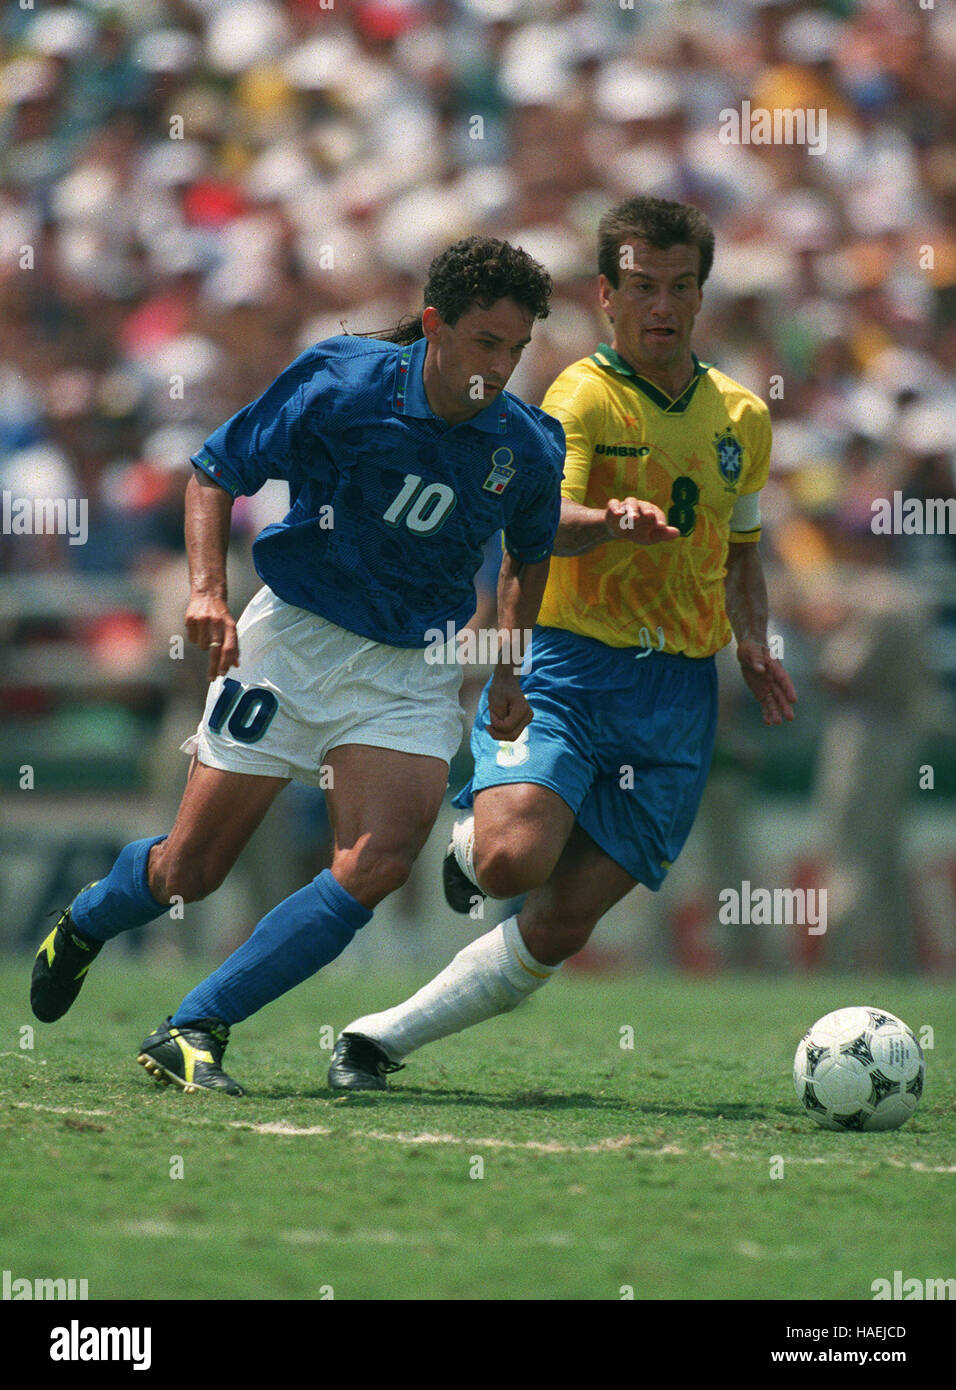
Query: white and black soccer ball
pixel 859 1068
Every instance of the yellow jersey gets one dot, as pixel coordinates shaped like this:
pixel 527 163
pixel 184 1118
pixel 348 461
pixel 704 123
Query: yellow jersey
pixel 696 457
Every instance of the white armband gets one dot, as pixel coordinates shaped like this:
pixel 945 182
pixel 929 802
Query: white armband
pixel 746 513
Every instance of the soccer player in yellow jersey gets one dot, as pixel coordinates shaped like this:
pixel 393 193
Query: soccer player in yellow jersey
pixel 599 793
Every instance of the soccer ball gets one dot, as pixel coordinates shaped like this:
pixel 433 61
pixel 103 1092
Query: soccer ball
pixel 859 1069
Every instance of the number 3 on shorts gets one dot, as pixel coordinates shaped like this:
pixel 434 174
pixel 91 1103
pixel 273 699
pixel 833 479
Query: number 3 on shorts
pixel 250 715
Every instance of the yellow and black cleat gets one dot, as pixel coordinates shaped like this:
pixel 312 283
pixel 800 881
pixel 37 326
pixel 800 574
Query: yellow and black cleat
pixel 190 1056
pixel 60 968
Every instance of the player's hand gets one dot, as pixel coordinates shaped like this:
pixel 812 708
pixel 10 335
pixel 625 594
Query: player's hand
pixel 768 682
pixel 637 521
pixel 211 626
pixel 508 709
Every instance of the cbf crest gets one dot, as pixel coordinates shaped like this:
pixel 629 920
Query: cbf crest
pixel 730 455
pixel 501 472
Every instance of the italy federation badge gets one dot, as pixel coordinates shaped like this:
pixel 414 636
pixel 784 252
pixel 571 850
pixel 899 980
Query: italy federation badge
pixel 729 456
pixel 501 472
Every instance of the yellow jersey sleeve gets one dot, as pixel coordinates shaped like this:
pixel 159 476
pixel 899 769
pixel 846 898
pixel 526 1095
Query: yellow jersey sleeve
pixel 573 401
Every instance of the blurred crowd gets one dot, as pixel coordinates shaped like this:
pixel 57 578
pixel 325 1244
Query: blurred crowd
pixel 195 190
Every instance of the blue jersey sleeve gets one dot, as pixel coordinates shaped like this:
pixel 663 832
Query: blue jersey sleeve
pixel 529 535
pixel 262 440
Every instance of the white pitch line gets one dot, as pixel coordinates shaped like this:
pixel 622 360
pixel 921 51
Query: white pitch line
pixel 922 1167
pixel 57 1109
pixel 279 1127
pixel 612 1144
pixel 362 1235
pixel 624 1141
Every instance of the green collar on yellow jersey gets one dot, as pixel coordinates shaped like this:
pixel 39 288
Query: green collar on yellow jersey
pixel 606 356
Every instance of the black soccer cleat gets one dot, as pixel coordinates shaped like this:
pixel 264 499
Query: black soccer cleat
pixel 60 967
pixel 460 892
pixel 359 1064
pixel 190 1056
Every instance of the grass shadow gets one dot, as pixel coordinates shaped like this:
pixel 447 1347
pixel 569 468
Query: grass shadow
pixel 522 1101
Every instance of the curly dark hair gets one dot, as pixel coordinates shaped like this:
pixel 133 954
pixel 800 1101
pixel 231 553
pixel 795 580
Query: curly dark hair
pixel 661 224
pixel 478 270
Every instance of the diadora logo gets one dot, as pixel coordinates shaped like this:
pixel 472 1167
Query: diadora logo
pixel 623 451
pixel 501 471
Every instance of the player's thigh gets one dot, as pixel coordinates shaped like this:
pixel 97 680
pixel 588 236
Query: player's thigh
pixel 558 918
pixel 217 816
pixel 520 827
pixel 526 793
pixel 382 804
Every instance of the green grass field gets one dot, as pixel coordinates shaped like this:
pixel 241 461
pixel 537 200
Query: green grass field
pixel 532 1158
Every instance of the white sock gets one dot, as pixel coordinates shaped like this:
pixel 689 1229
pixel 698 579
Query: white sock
pixel 489 976
pixel 463 844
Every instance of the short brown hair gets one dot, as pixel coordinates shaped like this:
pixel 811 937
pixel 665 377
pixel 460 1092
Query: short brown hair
pixel 658 222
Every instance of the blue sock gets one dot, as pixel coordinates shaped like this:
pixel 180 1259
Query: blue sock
pixel 122 899
pixel 292 942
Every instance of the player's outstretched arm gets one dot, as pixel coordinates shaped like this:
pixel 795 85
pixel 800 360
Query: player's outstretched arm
pixel 520 591
pixel 209 624
pixel 746 597
pixel 583 528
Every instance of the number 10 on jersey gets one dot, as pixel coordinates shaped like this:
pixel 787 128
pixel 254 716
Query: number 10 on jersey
pixel 422 508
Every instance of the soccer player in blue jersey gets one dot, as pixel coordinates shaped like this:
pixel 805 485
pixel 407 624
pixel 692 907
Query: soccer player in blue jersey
pixel 404 454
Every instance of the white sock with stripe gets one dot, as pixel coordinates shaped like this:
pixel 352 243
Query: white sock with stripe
pixel 488 977
pixel 463 844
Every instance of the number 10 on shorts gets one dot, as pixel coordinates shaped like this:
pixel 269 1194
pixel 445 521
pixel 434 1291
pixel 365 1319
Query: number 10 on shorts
pixel 250 709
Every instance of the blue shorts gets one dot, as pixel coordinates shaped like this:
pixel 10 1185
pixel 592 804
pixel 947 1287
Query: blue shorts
pixel 623 735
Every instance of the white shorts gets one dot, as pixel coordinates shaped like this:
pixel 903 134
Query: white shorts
pixel 304 686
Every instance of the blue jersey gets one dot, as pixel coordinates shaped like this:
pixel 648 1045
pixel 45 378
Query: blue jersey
pixel 390 506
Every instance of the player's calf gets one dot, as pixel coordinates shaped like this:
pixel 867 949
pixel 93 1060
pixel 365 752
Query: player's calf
pixel 491 975
pixel 555 939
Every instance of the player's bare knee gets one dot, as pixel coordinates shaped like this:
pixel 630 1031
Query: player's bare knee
pixel 370 877
pixel 504 871
pixel 184 876
pixel 392 872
